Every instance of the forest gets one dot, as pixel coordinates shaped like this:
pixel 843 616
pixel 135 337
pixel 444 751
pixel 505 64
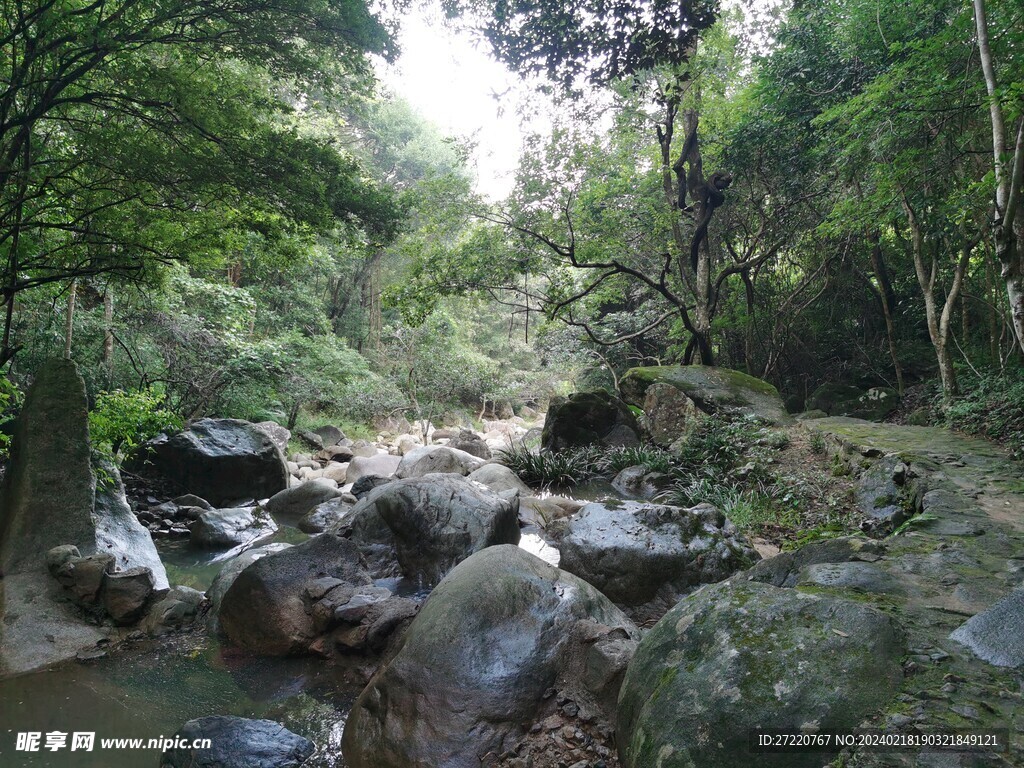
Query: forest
pixel 827 193
pixel 706 431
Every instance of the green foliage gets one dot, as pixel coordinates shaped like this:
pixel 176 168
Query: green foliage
pixel 121 420
pixel 545 469
pixel 10 400
pixel 817 443
pixel 994 407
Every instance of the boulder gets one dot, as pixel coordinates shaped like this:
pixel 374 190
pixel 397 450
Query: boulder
pixel 543 512
pixel 227 576
pixel 221 460
pixel 740 655
pixel 670 413
pixel 265 609
pixel 422 527
pixel 175 610
pixel 874 404
pixel 712 390
pixel 329 435
pixel 472 670
pixel 295 502
pixel 380 464
pixel 225 528
pixel 499 478
pixel 437 459
pixel 881 494
pixel 236 742
pixel 589 418
pixel 336 471
pixel 126 594
pixel 50 497
pixel 367 483
pixel 327 515
pixel 470 442
pixel 407 443
pixel 632 551
pixel 640 482
pixel 275 432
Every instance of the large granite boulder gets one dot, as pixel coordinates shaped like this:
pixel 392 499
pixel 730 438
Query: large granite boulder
pixel 711 390
pixel 422 527
pixel 297 501
pixel 223 581
pixel 633 551
pixel 378 465
pixel 50 497
pixel 231 527
pixel 330 514
pixel 743 655
pixel 222 460
pixel 471 672
pixel 437 459
pixel 873 404
pixel 500 478
pixel 236 742
pixel 267 609
pixel 589 418
pixel 996 635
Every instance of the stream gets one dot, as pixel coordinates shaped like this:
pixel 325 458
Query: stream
pixel 149 690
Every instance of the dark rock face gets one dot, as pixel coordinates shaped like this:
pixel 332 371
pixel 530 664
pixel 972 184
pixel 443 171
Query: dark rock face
pixel 237 742
pixel 221 460
pixel 227 576
pixel 329 435
pixel 126 594
pixel 267 609
pixel 786 568
pixel 589 418
pixel 712 390
pixel 470 442
pixel 882 494
pixel 424 526
pixel 367 483
pixel 736 656
pixel 634 551
pixel 844 400
pixel 473 667
pixel 47 494
pixel 327 515
pixel 175 610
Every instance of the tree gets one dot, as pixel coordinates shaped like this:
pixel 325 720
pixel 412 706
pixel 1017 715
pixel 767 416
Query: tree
pixel 126 126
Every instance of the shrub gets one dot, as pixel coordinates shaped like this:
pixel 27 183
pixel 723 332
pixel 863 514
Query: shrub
pixel 122 420
pixel 993 408
pixel 544 469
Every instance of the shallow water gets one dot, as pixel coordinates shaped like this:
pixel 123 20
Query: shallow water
pixel 150 691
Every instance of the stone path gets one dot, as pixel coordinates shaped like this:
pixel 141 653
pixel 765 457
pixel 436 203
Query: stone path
pixel 964 556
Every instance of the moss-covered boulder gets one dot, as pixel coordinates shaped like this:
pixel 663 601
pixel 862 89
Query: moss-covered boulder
pixel 738 656
pixel 472 670
pixel 711 390
pixel 589 418
pixel 874 404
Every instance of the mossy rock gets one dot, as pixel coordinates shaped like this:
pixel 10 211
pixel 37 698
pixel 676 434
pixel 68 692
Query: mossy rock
pixel 875 404
pixel 589 418
pixel 735 657
pixel 712 390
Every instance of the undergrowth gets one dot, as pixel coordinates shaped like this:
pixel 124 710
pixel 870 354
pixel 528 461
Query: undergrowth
pixel 730 463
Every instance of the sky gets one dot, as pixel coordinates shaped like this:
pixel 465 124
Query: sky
pixel 458 86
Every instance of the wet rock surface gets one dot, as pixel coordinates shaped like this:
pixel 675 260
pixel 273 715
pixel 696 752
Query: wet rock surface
pixel 589 418
pixel 237 742
pixel 476 663
pixel 633 551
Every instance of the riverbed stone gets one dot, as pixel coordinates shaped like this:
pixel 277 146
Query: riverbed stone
pixel 237 742
pixel 176 610
pixel 712 390
pixel 499 478
pixel 266 609
pixel 280 435
pixel 743 655
pixel 437 459
pixel 631 551
pixel 379 464
pixel 227 576
pixel 589 418
pixel 222 460
pixel 327 515
pixel 474 666
pixel 232 527
pixel 422 527
pixel 297 501
pixel 126 594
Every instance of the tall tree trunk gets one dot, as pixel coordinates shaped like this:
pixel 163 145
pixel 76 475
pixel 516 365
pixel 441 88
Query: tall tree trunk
pixel 70 326
pixel 887 296
pixel 1008 228
pixel 108 333
pixel 939 320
